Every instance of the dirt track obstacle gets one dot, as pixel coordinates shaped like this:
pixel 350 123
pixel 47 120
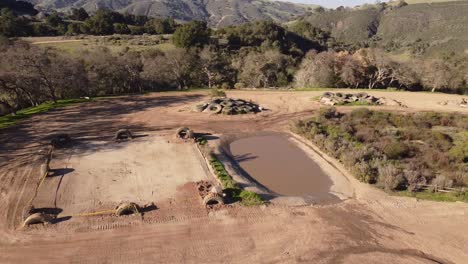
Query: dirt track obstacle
pixel 37 218
pixel 127 209
pixel 184 133
pixel 228 106
pixel 213 199
pixel 123 134
pixel 61 141
pixel 330 98
pixel 209 193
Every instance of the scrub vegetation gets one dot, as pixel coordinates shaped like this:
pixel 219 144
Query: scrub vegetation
pixel 422 154
pixel 9 120
pixel 232 189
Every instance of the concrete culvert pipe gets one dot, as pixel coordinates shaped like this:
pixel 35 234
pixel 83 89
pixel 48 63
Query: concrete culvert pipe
pixel 123 134
pixel 127 209
pixel 184 133
pixel 37 218
pixel 212 199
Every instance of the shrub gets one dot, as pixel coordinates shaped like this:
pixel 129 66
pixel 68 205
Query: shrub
pixel 396 150
pixel 217 93
pixel 328 112
pixel 389 177
pixel 361 113
pixel 239 85
pixel 364 172
pixel 414 179
pixel 225 86
pixel 459 151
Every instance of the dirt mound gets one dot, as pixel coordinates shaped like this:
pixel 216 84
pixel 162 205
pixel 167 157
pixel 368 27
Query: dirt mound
pixel 461 103
pixel 61 141
pixel 184 133
pixel 127 209
pixel 329 98
pixel 213 199
pixel 37 218
pixel 228 106
pixel 123 134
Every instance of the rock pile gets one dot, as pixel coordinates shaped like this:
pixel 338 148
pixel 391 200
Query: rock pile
pixel 329 98
pixel 228 106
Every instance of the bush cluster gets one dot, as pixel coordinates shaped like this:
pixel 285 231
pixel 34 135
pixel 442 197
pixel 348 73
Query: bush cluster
pixel 395 151
pixel 231 187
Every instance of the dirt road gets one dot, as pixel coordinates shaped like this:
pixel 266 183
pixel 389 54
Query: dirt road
pixel 372 227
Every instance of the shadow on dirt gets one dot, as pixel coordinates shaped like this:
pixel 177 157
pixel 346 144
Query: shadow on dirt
pixel 60 172
pixel 101 118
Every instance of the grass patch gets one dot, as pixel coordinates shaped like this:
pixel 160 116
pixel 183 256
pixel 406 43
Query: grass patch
pixel 231 187
pixel 201 141
pixel 10 120
pixel 436 196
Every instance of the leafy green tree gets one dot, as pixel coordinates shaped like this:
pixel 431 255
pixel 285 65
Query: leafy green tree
pixel 102 23
pixel 79 14
pixel 54 19
pixel 216 67
pixel 121 28
pixel 160 26
pixel 192 34
pixel 73 29
pixel 11 25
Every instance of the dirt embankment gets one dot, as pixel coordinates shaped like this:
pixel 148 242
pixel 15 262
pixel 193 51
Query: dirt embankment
pixel 372 227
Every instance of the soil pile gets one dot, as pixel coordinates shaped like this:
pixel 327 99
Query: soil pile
pixel 228 106
pixel 461 103
pixel 329 98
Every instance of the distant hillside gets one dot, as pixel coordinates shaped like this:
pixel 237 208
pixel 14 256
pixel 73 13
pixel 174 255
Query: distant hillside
pixel 19 7
pixel 217 13
pixel 421 28
pixel 431 1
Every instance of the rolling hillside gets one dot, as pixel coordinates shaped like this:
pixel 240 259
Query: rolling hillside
pixel 217 13
pixel 428 27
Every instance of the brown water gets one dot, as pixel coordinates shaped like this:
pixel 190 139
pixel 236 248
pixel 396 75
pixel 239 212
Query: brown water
pixel 276 163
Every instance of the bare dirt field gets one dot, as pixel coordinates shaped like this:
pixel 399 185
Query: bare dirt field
pixel 371 227
pixel 106 174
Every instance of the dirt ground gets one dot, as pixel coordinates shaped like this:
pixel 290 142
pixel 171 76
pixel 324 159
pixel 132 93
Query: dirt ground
pixel 102 176
pixel 371 227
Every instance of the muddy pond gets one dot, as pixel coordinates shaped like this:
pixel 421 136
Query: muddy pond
pixel 281 166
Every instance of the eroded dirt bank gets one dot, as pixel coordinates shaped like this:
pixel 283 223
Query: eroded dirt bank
pixel 370 228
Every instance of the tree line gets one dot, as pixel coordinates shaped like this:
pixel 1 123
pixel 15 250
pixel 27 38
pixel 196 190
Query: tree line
pixel 104 22
pixel 260 54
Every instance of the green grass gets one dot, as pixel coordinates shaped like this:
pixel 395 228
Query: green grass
pixel 10 120
pixel 231 187
pixel 436 196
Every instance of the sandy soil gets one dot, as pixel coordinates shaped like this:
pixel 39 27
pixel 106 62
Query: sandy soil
pixel 372 227
pixel 106 174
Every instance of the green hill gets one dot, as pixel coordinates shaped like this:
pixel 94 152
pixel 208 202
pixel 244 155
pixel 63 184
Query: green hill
pixel 216 13
pixel 429 28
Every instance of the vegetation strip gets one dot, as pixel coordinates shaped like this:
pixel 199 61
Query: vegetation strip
pixel 422 155
pixel 10 120
pixel 231 187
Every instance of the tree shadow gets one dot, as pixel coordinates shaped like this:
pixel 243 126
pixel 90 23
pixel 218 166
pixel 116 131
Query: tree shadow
pixel 149 208
pixel 244 157
pixel 60 172
pixel 207 136
pixel 100 118
pixel 46 210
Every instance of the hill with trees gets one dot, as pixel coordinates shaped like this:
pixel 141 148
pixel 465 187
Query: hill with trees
pixel 215 13
pixel 416 28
